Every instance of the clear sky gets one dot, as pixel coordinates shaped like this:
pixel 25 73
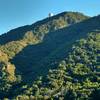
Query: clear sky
pixel 15 13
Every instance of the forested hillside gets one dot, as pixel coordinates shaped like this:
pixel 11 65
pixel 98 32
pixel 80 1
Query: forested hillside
pixel 77 77
pixel 52 59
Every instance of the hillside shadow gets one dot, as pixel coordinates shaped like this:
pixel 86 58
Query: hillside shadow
pixel 35 60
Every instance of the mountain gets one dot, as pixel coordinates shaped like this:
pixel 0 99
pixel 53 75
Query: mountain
pixel 31 37
pixel 61 49
pixel 53 48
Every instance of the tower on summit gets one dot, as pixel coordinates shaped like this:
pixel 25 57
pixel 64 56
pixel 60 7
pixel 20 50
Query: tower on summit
pixel 50 14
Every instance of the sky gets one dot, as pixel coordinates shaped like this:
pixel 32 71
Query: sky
pixel 16 13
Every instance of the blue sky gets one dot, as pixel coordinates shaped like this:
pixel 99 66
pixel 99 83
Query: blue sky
pixel 15 13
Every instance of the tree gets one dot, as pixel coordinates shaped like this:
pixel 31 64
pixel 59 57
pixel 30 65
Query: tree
pixel 70 95
pixel 95 95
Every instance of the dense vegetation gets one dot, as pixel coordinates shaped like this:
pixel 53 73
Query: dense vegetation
pixel 57 58
pixel 75 78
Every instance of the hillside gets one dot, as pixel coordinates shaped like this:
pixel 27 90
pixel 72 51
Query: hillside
pixel 61 49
